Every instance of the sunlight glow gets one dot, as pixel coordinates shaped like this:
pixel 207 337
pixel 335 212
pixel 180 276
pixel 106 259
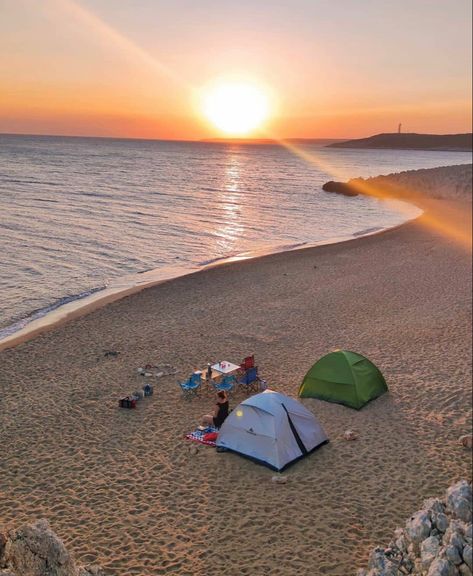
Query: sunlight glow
pixel 239 107
pixel 236 108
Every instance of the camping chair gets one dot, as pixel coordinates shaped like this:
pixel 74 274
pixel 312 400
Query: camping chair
pixel 227 384
pixel 248 362
pixel 191 387
pixel 250 381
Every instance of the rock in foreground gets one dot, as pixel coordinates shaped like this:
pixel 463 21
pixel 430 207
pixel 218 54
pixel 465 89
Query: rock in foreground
pixel 35 550
pixel 436 541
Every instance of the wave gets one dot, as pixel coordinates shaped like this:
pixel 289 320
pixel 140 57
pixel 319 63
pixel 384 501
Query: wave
pixel 41 312
pixel 367 231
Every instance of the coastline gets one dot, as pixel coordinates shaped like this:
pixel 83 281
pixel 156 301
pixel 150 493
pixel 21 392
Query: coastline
pixel 124 484
pixel 122 287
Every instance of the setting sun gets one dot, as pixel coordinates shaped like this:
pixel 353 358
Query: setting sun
pixel 236 108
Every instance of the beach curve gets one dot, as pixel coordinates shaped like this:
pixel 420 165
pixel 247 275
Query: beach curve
pixel 124 484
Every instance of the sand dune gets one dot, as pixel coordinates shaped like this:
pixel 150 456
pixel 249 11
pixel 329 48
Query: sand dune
pixel 121 487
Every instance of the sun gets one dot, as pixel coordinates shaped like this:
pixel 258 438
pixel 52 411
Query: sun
pixel 236 108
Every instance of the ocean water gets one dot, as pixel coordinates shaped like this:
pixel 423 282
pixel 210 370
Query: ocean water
pixel 77 214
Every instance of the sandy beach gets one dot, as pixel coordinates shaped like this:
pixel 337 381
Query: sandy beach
pixel 121 488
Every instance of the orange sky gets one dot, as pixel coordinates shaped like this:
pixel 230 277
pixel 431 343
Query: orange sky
pixel 135 69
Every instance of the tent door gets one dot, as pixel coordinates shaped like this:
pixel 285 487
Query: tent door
pixel 303 449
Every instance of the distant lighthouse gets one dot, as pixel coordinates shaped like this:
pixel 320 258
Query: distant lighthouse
pixel 399 128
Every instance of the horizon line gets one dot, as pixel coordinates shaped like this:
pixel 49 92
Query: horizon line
pixel 217 139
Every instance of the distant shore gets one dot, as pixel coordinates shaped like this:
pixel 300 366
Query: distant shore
pixel 400 141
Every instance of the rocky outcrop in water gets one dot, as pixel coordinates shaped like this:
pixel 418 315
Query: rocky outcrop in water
pixel 448 182
pixel 436 541
pixel 339 188
pixel 35 550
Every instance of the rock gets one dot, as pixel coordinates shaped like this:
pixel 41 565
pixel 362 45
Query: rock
pixel 429 550
pixel 441 522
pixel 466 440
pixel 350 435
pixel 381 565
pixel 453 555
pixel 339 188
pixel 35 550
pixel 400 540
pixel 442 567
pixel 419 526
pixel 279 479
pixel 467 555
pixel 193 450
pixel 453 537
pixel 436 540
pixel 464 570
pixel 468 533
pixel 459 498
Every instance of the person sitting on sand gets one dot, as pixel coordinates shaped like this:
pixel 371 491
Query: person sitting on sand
pixel 220 413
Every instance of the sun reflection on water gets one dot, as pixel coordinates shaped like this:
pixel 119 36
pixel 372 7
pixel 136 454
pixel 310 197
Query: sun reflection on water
pixel 230 198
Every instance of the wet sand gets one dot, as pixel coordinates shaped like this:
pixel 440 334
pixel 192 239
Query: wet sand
pixel 121 488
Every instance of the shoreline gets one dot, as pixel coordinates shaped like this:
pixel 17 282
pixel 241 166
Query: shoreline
pixel 121 288
pixel 395 187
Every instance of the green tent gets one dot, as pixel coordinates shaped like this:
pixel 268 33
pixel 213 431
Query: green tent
pixel 344 377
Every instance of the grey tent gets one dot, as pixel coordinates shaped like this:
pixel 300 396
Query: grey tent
pixel 272 429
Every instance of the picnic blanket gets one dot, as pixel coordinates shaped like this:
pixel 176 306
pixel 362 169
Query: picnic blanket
pixel 198 435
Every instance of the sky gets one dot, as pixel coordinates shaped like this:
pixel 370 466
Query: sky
pixel 329 68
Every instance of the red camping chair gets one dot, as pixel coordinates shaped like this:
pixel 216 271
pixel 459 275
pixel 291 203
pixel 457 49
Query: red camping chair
pixel 248 362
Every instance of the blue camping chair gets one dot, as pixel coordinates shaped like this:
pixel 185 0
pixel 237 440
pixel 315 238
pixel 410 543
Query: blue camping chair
pixel 250 381
pixel 227 384
pixel 191 387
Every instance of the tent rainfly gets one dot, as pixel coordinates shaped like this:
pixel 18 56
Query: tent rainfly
pixel 272 429
pixel 343 377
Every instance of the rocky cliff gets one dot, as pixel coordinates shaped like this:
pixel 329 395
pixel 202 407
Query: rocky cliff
pixel 435 541
pixel 35 550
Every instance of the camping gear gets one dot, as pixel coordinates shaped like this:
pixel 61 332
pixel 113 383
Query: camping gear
pixel 343 377
pixel 272 429
pixel 200 435
pixel 225 367
pixel 248 362
pixel 191 387
pixel 250 381
pixel 147 390
pixel 227 384
pixel 127 402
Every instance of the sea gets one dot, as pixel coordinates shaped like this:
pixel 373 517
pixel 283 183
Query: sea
pixel 78 215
